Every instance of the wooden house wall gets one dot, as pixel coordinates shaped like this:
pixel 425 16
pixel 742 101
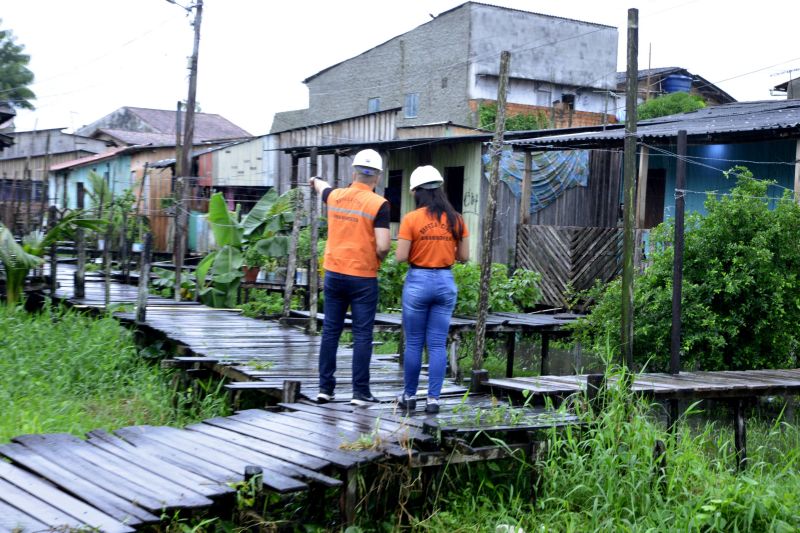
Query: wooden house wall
pixel 596 206
pixel 467 155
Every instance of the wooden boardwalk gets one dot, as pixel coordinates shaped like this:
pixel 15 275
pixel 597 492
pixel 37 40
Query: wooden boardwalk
pixel 254 354
pixel 127 479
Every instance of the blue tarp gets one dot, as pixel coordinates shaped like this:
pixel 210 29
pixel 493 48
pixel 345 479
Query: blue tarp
pixel 552 173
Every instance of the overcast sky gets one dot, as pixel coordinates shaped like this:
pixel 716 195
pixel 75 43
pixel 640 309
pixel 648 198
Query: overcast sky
pixel 91 57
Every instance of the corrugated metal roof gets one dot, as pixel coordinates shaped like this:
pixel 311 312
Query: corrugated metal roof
pixel 764 119
pixel 81 161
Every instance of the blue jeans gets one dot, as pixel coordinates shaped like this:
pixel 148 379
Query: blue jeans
pixel 361 295
pixel 429 297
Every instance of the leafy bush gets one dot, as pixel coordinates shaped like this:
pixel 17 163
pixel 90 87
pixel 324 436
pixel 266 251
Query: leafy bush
pixel 741 292
pixel 670 104
pixel 519 292
pixel 487 115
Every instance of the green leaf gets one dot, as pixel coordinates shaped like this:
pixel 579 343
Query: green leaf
pixel 224 225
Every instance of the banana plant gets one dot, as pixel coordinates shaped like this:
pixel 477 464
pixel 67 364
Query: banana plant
pixel 18 259
pixel 261 228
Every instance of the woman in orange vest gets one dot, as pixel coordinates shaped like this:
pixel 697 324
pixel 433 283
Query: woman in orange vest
pixel 431 239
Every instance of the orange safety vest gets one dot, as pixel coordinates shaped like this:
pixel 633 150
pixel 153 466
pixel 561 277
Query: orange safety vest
pixel 351 246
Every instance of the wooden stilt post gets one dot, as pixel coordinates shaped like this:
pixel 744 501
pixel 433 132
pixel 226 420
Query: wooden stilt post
pixel 291 267
pixel 629 189
pixel 144 280
pixel 489 215
pixel 123 248
pixel 52 215
pixel 349 496
pixel 677 265
pixel 545 355
pixel 107 263
pixel 313 263
pixel 80 273
pixel 511 345
pixel 291 391
pixel 740 433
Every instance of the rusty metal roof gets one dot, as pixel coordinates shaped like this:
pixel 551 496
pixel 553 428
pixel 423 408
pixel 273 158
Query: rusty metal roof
pixel 738 121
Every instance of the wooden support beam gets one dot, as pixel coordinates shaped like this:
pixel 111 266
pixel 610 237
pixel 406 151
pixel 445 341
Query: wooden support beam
pixel 80 273
pixel 525 197
pixel 677 265
pixel 740 432
pixel 349 496
pixel 291 267
pixel 291 391
pixel 144 279
pixel 489 215
pixel 313 263
pixel 629 186
pixel 511 345
pixel 545 354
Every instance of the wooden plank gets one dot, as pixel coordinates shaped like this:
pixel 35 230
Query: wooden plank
pixel 111 482
pixel 111 504
pixel 22 480
pixel 231 457
pixel 33 506
pixel 264 430
pixel 206 486
pixel 15 520
pixel 169 493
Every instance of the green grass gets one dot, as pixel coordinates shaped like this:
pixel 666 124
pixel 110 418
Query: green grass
pixel 64 372
pixel 607 479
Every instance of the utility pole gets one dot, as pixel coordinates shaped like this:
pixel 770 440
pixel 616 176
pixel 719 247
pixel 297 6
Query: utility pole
pixel 629 189
pixel 181 182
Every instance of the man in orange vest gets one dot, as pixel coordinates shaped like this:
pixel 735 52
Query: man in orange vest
pixel 358 240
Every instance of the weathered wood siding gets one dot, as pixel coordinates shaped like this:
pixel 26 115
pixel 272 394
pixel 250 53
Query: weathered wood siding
pixel 595 206
pixel 572 257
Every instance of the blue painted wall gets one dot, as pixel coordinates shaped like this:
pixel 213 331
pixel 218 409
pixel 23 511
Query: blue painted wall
pixel 116 170
pixel 704 171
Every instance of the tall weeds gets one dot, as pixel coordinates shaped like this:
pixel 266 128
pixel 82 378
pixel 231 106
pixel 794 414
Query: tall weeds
pixel 64 372
pixel 606 477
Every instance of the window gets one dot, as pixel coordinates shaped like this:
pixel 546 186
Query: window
pixel 412 105
pixel 393 193
pixel 373 105
pixel 544 96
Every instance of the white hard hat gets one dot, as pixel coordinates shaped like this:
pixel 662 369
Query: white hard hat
pixel 368 160
pixel 426 177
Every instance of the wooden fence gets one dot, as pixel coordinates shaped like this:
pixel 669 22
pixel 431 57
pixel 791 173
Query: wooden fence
pixel 569 257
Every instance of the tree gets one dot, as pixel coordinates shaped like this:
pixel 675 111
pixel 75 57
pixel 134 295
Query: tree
pixel 741 287
pixel 670 104
pixel 15 77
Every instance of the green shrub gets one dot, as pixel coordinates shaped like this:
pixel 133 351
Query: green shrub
pixel 740 287
pixel 670 104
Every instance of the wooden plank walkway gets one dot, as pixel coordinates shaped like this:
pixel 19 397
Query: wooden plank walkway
pixel 692 385
pixel 254 354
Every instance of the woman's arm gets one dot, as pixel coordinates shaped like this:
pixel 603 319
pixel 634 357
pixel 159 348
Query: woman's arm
pixel 403 248
pixel 462 252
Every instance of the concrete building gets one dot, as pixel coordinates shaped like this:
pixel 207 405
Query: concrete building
pixel 443 70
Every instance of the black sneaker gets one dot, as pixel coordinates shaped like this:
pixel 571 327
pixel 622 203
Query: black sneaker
pixel 363 399
pixel 325 396
pixel 432 406
pixel 406 404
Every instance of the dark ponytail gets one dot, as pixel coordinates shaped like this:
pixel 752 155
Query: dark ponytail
pixel 436 203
